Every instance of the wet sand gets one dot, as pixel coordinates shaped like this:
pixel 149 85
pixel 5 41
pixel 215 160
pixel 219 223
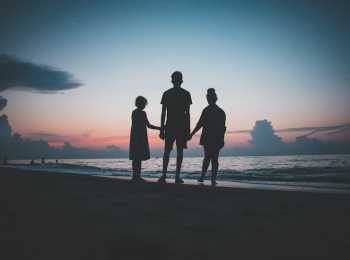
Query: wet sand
pixel 64 216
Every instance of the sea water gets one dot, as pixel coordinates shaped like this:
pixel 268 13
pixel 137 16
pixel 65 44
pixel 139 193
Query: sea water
pixel 298 171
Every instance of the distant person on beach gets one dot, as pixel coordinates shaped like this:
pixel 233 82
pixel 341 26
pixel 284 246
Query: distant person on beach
pixel 5 160
pixel 176 103
pixel 139 148
pixel 212 120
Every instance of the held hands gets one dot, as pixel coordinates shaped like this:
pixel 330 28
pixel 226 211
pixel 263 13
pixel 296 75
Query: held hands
pixel 162 133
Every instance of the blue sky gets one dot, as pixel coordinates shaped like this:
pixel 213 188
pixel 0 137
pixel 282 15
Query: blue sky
pixel 286 61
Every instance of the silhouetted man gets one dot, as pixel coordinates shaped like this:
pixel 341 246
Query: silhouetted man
pixel 176 110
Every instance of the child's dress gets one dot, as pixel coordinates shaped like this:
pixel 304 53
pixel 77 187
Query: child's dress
pixel 139 148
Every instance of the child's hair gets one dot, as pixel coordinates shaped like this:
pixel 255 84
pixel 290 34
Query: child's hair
pixel 140 102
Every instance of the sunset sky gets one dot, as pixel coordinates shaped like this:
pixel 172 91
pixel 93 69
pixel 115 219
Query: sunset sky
pixel 285 61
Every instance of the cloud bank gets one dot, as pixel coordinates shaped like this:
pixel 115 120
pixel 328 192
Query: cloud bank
pixel 3 103
pixel 13 145
pixel 264 138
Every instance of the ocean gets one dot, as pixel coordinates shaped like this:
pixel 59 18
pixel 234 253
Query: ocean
pixel 297 172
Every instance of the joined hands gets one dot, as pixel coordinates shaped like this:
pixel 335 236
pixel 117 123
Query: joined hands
pixel 162 133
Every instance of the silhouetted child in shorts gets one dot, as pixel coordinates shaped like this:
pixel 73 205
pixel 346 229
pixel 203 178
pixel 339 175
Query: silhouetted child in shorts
pixel 213 121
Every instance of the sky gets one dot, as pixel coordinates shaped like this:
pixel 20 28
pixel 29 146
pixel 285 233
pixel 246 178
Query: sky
pixel 285 61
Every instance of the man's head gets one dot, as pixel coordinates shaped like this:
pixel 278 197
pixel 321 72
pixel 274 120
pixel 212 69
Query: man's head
pixel 211 96
pixel 176 78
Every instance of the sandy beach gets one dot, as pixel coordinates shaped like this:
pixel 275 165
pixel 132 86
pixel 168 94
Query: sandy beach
pixel 65 216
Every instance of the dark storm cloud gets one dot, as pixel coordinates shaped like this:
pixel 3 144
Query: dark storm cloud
pixel 3 103
pixel 15 73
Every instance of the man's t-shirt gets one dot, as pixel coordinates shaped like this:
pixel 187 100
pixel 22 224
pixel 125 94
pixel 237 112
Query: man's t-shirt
pixel 176 100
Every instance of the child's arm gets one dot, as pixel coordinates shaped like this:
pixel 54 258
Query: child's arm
pixel 198 126
pixel 149 125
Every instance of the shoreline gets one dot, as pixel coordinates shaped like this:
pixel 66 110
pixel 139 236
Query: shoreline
pixel 240 184
pixel 245 185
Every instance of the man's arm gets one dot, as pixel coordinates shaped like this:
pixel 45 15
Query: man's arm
pixel 188 115
pixel 162 122
pixel 162 119
pixel 188 119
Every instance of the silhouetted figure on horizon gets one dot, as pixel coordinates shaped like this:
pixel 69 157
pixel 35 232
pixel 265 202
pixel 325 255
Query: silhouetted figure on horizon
pixel 213 120
pixel 176 103
pixel 42 160
pixel 5 160
pixel 139 148
pixel 32 162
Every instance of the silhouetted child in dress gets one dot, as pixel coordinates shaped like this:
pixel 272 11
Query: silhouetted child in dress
pixel 139 148
pixel 213 120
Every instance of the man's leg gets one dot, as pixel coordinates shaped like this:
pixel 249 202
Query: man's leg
pixel 179 158
pixel 167 149
pixel 166 156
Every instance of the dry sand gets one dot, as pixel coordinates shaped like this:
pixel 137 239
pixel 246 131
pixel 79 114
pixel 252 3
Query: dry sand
pixel 62 216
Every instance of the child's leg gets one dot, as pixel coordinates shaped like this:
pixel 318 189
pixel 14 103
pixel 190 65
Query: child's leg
pixel 136 169
pixel 205 165
pixel 139 169
pixel 214 166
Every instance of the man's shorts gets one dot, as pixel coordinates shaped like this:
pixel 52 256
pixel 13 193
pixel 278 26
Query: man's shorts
pixel 178 136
